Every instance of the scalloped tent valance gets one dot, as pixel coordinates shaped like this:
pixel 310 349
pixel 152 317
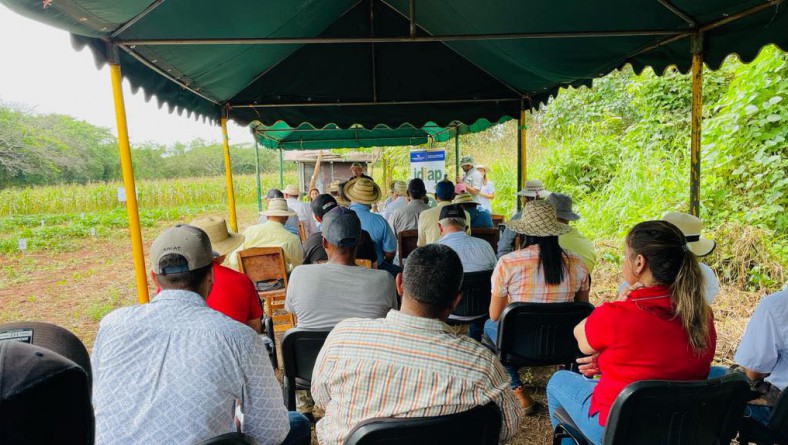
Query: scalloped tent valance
pixel 392 62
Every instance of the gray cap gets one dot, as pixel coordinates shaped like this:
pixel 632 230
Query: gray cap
pixel 563 206
pixel 184 240
pixel 341 227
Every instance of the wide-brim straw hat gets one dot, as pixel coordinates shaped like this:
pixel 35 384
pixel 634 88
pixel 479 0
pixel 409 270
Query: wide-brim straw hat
pixel 534 189
pixel 278 207
pixel 399 187
pixel 291 189
pixel 691 226
pixel 464 198
pixel 538 219
pixel 362 191
pixel 481 167
pixel 222 240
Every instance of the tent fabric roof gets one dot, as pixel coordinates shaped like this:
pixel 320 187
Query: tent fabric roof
pixel 197 56
pixel 307 137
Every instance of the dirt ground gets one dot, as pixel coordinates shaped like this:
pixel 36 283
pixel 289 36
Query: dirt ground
pixel 76 289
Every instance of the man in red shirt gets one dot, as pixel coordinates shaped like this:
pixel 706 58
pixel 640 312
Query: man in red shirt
pixel 233 293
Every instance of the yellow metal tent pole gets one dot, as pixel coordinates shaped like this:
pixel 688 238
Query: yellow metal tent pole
pixel 228 176
pixel 696 117
pixel 522 158
pixel 128 184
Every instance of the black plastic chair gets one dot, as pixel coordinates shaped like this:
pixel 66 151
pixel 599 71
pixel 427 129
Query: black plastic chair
pixel 475 303
pixel 539 334
pixel 299 353
pixel 229 439
pixel 659 412
pixel 480 425
pixel 775 430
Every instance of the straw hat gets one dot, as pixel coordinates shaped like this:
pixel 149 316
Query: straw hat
pixel 222 240
pixel 362 191
pixel 334 187
pixel 292 190
pixel 481 167
pixel 534 189
pixel 538 219
pixel 464 198
pixel 399 187
pixel 690 226
pixel 278 207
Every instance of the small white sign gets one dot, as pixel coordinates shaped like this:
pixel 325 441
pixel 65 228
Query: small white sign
pixel 121 194
pixel 92 231
pixel 22 244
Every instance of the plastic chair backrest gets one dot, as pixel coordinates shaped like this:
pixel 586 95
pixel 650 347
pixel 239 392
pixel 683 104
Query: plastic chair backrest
pixel 662 412
pixel 406 243
pixel 487 234
pixel 540 334
pixel 299 353
pixel 476 288
pixel 229 439
pixel 263 263
pixel 479 426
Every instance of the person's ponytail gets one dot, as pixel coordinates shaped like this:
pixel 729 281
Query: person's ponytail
pixel 689 304
pixel 671 263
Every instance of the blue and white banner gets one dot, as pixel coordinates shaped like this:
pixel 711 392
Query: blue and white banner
pixel 430 166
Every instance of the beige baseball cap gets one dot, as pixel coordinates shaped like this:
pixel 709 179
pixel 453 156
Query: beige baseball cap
pixel 190 242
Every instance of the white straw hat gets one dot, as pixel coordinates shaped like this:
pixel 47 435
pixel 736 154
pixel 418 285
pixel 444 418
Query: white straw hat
pixel 464 198
pixel 362 191
pixel 534 189
pixel 291 189
pixel 222 240
pixel 690 226
pixel 278 207
pixel 538 219
pixel 399 187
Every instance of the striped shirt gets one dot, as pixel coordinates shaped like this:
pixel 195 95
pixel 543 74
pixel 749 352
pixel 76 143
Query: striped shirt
pixel 520 277
pixel 475 254
pixel 404 366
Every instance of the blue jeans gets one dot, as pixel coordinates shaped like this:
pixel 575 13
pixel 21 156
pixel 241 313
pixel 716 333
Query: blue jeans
pixel 491 331
pixel 759 413
pixel 300 430
pixel 572 392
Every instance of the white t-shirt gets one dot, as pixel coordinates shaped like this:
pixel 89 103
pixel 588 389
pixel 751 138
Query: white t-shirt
pixel 487 189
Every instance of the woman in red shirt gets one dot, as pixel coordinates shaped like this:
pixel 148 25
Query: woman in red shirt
pixel 659 329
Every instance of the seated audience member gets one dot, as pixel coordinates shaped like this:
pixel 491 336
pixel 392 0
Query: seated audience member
pixel 397 199
pixel 292 222
pixel 659 329
pixel 313 194
pixel 302 209
pixel 272 234
pixel 233 293
pixel 409 364
pixel 407 218
pixel 357 171
pixel 333 189
pixel 540 272
pixel 762 354
pixel 691 226
pixel 314 253
pixel 362 194
pixel 460 188
pixel 573 240
pixel 428 219
pixel 475 254
pixel 479 218
pixel 190 364
pixel 532 191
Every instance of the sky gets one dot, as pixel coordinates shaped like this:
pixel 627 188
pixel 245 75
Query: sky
pixel 42 73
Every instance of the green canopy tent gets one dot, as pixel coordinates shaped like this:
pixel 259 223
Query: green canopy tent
pixel 392 62
pixel 281 136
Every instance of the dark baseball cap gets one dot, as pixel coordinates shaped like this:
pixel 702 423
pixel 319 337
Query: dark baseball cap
pixel 444 190
pixel 322 204
pixel 452 211
pixel 341 227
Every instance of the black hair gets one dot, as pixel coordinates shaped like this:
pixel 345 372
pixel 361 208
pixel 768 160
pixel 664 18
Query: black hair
pixel 552 258
pixel 274 193
pixel 416 188
pixel 433 277
pixel 189 280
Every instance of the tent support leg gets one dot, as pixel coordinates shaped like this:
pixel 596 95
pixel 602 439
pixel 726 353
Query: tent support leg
pixel 132 210
pixel 281 178
pixel 522 158
pixel 228 176
pixel 457 151
pixel 257 175
pixel 696 118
